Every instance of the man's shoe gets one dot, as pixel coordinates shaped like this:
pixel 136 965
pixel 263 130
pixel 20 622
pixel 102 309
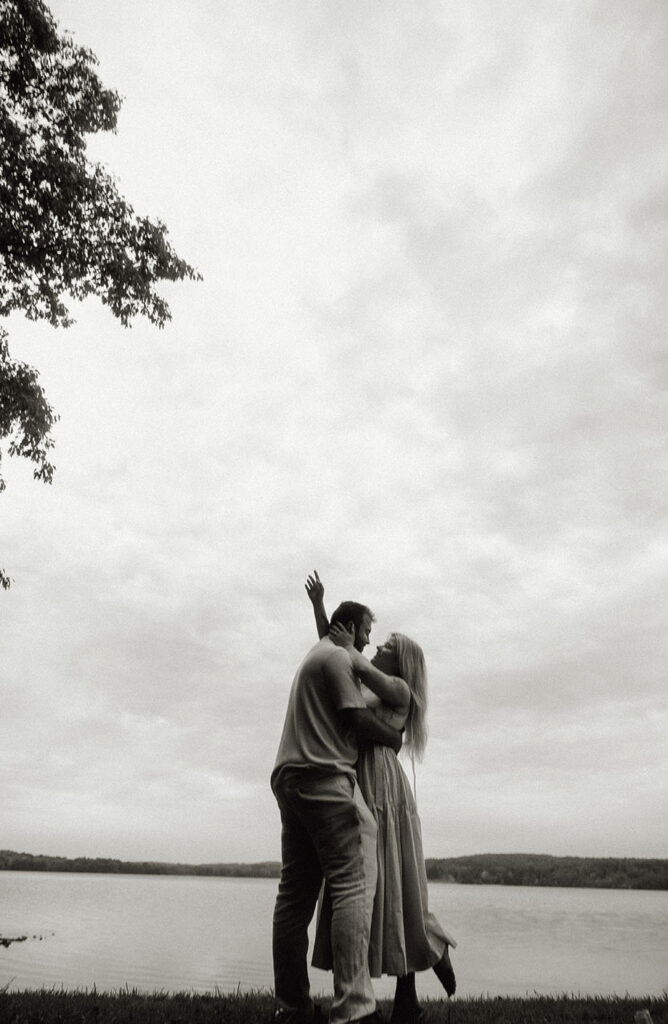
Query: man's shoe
pixel 315 1016
pixel 371 1018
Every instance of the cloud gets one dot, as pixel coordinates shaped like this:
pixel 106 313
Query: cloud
pixel 424 359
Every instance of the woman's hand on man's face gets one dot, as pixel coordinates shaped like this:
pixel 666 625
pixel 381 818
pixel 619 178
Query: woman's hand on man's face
pixel 341 636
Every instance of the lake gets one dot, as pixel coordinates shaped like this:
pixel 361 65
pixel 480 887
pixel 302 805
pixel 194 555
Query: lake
pixel 173 933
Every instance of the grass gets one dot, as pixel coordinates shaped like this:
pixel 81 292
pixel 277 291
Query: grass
pixel 55 1006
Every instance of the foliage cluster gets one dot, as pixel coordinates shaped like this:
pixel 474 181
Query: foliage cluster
pixel 26 419
pixel 64 227
pixel 65 230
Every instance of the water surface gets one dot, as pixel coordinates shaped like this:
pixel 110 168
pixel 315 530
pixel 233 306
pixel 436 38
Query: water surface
pixel 174 933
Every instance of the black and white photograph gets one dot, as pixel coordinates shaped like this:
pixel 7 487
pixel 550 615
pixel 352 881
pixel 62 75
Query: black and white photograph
pixel 333 511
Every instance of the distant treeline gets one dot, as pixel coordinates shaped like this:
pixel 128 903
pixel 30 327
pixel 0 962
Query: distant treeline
pixel 11 861
pixel 541 869
pixel 480 869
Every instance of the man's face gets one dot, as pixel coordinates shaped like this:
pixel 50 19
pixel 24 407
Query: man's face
pixel 363 633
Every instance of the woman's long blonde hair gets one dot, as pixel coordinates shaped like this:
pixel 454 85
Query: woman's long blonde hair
pixel 413 670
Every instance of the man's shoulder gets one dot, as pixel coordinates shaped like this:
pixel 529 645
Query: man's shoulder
pixel 325 653
pixel 324 648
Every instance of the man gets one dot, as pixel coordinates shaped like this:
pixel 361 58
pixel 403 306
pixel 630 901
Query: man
pixel 327 829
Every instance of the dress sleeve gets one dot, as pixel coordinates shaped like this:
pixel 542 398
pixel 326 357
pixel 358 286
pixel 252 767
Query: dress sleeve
pixel 341 682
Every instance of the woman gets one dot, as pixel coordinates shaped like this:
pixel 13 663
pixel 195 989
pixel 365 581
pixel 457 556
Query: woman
pixel 405 936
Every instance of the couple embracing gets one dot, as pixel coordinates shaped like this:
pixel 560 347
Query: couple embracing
pixel 348 818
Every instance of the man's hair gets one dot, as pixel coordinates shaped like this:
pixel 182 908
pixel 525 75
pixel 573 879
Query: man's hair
pixel 351 611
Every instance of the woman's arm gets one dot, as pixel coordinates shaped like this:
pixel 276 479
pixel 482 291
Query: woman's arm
pixel 370 729
pixel 316 592
pixel 391 690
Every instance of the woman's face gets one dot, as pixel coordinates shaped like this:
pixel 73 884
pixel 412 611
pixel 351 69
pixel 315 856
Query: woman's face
pixel 386 658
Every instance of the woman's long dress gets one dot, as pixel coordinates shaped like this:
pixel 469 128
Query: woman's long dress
pixel 405 936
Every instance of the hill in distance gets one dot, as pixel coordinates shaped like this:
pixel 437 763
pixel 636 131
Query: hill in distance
pixel 478 869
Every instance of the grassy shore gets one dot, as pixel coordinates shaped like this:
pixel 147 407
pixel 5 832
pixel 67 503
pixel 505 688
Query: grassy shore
pixel 50 1006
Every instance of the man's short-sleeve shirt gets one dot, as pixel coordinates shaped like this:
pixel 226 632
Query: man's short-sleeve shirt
pixel 314 735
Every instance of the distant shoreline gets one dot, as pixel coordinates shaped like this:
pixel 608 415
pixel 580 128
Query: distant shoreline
pixel 478 869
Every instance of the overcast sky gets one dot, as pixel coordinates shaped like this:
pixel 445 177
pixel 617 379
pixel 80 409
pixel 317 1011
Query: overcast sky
pixel 427 358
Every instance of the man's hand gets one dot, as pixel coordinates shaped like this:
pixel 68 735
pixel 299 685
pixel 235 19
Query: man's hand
pixel 369 729
pixel 342 637
pixel 315 589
